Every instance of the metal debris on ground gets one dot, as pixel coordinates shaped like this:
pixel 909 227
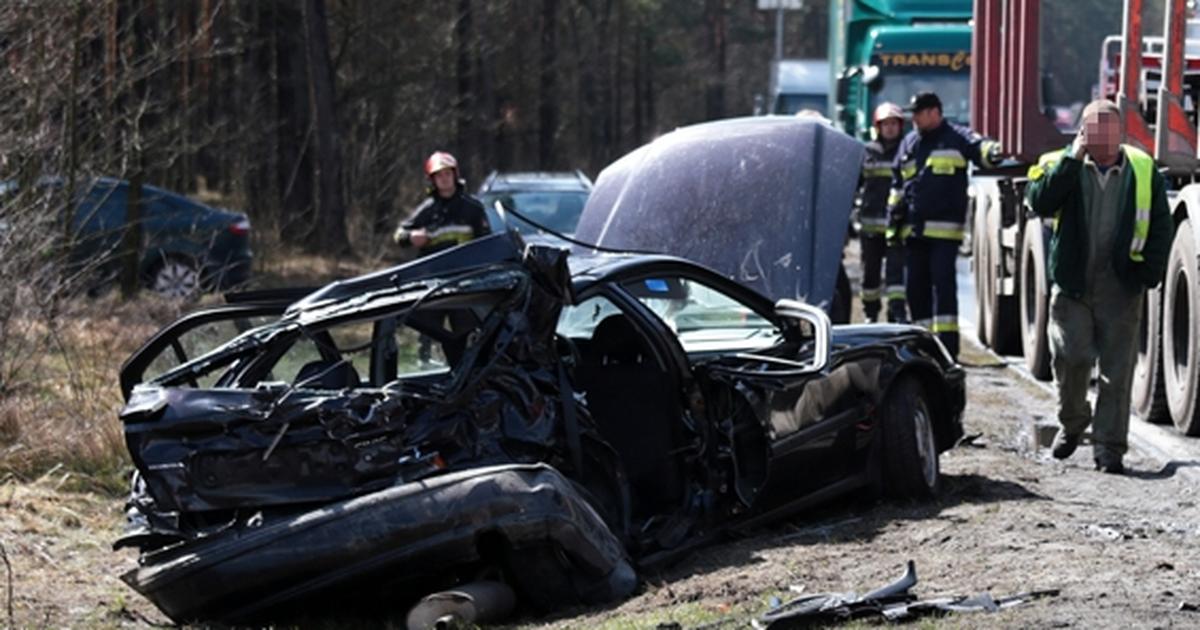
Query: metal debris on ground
pixel 894 602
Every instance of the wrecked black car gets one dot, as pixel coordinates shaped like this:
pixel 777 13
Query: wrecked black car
pixel 505 412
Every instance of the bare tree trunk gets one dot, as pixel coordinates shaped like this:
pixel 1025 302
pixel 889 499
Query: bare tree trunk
pixel 548 106
pixel 464 103
pixel 330 233
pixel 131 241
pixel 294 161
pixel 183 178
pixel 619 82
pixel 639 58
pixel 717 19
pixel 651 110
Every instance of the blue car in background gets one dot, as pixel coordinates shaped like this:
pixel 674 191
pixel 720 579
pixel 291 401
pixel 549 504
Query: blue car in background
pixel 186 246
pixel 552 199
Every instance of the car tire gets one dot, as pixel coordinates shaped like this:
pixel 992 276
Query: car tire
pixel 910 465
pixel 1181 308
pixel 1149 394
pixel 175 277
pixel 1035 301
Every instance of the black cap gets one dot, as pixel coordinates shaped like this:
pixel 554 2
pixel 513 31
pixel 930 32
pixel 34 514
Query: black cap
pixel 924 100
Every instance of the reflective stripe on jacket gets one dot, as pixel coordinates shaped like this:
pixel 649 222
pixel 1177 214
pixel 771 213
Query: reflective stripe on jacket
pixel 929 179
pixel 873 186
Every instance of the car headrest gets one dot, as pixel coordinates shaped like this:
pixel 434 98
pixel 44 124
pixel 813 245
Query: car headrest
pixel 616 341
pixel 326 374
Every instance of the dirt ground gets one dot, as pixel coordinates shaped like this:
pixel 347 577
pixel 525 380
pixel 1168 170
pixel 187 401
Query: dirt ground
pixel 1122 551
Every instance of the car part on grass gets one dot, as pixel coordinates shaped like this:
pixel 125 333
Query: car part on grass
pixel 893 602
pixel 465 606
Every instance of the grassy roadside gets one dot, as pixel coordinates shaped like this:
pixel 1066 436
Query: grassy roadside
pixel 60 396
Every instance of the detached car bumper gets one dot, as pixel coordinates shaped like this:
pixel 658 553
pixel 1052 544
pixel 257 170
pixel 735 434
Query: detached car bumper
pixel 399 535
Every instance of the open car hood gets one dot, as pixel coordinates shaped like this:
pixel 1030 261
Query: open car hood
pixel 764 200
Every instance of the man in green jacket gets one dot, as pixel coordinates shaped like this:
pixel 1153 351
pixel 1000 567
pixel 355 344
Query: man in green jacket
pixel 1112 235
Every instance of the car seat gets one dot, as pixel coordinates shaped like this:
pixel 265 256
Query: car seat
pixel 635 404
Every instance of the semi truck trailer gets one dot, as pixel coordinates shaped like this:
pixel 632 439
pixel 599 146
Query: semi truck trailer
pixel 1027 90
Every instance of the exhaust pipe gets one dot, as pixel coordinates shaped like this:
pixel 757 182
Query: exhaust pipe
pixel 470 604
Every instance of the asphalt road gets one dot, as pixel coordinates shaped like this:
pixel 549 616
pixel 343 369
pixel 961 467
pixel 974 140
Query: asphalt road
pixel 1158 442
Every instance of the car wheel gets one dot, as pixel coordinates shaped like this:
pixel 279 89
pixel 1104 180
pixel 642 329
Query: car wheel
pixel 910 465
pixel 176 277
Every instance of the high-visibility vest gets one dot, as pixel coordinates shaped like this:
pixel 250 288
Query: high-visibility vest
pixel 1143 170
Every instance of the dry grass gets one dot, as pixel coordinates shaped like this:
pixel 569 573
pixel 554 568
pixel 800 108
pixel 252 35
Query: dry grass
pixel 61 410
pixel 58 410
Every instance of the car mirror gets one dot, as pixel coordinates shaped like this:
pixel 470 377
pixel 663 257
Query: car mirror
pixel 822 328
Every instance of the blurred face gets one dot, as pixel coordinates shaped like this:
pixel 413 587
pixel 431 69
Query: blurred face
pixel 443 181
pixel 1101 135
pixel 927 119
pixel 889 128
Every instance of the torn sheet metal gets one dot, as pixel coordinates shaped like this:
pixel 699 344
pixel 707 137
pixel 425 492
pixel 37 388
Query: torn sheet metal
pixel 893 602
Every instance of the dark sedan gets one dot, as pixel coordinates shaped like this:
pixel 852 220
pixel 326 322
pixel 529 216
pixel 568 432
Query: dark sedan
pixel 573 422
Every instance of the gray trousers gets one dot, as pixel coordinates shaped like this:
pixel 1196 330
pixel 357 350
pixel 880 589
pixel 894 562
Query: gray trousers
pixel 1104 326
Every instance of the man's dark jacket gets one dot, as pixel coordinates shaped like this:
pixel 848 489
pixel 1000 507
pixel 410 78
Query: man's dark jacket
pixel 1056 190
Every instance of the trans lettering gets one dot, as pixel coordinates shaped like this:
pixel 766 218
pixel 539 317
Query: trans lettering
pixel 960 60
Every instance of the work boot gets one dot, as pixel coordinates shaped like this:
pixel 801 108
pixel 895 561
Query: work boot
pixel 1064 444
pixel 1110 465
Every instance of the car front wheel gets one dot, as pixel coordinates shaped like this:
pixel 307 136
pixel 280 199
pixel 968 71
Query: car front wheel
pixel 176 277
pixel 910 458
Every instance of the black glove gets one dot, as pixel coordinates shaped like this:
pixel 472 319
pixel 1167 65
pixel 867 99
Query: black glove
pixel 895 225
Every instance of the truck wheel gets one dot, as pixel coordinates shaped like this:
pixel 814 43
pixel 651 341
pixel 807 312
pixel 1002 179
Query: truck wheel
pixel 1001 319
pixel 980 263
pixel 1149 394
pixel 1035 301
pixel 1181 307
pixel 909 449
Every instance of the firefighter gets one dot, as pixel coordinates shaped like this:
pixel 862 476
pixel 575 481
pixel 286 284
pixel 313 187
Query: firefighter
pixel 1112 238
pixel 448 217
pixel 927 207
pixel 871 203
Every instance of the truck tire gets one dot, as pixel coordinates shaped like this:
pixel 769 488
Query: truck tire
pixel 1001 319
pixel 1149 395
pixel 1181 308
pixel 1035 301
pixel 980 263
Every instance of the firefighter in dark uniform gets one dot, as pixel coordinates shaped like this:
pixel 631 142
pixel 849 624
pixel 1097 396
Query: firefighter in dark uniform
pixel 927 209
pixel 871 204
pixel 448 217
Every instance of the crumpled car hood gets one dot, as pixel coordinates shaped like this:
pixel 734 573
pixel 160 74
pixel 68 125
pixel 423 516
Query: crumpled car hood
pixel 698 193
